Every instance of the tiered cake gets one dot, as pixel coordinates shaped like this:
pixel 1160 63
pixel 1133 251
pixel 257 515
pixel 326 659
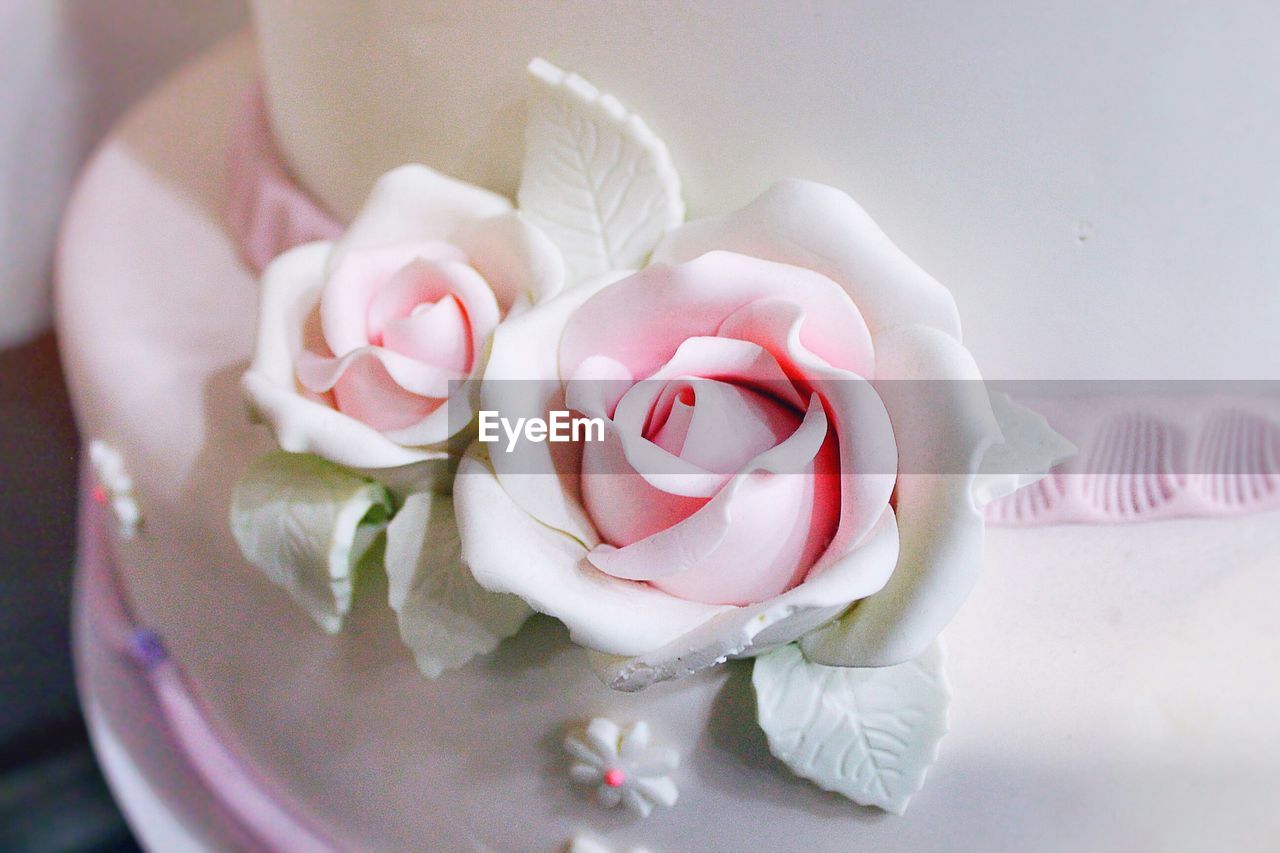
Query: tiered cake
pixel 1093 185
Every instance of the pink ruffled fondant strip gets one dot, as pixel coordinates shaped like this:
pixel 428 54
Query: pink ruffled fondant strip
pixel 1163 457
pixel 243 792
pixel 267 211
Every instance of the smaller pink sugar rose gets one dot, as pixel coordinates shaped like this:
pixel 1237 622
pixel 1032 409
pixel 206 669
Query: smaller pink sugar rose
pixel 369 347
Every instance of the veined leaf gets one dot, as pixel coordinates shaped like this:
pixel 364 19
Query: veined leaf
pixel 596 179
pixel 867 733
pixel 306 523
pixel 445 617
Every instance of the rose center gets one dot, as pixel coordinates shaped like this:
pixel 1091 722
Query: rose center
pixel 717 425
pixel 435 333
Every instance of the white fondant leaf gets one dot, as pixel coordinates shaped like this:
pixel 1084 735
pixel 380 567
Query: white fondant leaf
pixel 1029 450
pixel 306 523
pixel 596 179
pixel 445 617
pixel 867 733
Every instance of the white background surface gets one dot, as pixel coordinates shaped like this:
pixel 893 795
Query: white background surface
pixel 67 68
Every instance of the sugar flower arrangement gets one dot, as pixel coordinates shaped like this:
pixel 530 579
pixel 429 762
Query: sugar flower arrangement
pixel 755 435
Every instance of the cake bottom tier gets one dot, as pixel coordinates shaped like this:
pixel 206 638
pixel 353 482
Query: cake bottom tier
pixel 1115 687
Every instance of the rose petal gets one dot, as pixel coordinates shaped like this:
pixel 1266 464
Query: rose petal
pixel 626 506
pixel 436 334
pixel 520 262
pixel 446 422
pixel 414 203
pixel 663 306
pixel 418 282
pixel 349 311
pixel 670 423
pixel 868 454
pixel 365 390
pixel 521 379
pixel 780 525
pixel 319 374
pixel 821 228
pixel 508 550
pixel 597 378
pixel 741 361
pixel 290 289
pixel 730 551
pixel 725 425
pixel 609 480
pixel 941 425
pixel 761 627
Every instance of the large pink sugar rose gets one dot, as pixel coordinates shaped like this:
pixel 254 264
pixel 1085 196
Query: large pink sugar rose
pixel 368 347
pixel 762 471
pixel 745 450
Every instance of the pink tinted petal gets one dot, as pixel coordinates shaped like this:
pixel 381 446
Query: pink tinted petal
pixel 521 380
pixel 730 551
pixel 598 379
pixel 445 423
pixel 821 228
pixel 780 524
pixel 726 425
pixel 759 627
pixel 476 299
pixel 366 392
pixel 625 451
pixel 357 280
pixel 624 506
pixel 418 282
pixel 291 288
pixel 435 334
pixel 868 452
pixel 672 425
pixel 319 374
pixel 741 362
pixel 737 361
pixel 663 306
pixel 507 550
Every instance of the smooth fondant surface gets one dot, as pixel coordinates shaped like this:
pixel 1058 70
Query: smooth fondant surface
pixel 1095 182
pixel 1113 687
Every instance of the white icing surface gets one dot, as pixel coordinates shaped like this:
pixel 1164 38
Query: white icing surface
pixel 1114 687
pixel 1095 182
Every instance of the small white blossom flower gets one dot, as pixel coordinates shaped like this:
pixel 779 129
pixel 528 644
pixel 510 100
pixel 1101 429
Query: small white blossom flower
pixel 623 765
pixel 114 487
pixel 587 844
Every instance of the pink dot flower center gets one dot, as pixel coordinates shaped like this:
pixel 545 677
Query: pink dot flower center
pixel 614 778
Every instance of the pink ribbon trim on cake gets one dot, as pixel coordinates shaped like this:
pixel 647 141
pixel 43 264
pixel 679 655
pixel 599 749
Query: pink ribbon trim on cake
pixel 268 212
pixel 228 776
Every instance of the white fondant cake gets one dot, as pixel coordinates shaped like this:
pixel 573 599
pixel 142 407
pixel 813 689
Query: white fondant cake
pixel 1088 180
pixel 1110 684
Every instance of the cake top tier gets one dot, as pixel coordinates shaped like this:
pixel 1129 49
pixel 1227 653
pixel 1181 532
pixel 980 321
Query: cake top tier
pixel 1095 184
